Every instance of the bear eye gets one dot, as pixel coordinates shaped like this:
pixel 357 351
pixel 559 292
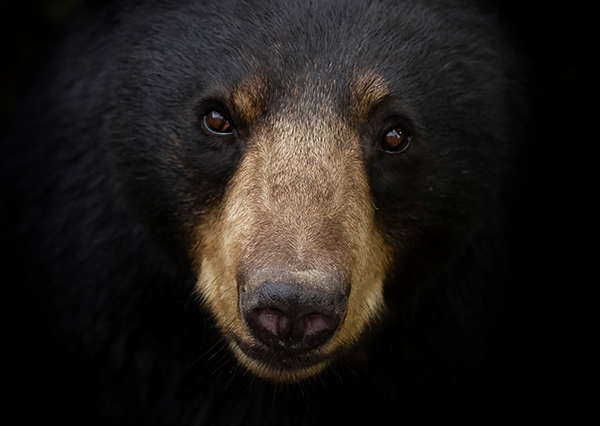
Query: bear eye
pixel 395 141
pixel 216 122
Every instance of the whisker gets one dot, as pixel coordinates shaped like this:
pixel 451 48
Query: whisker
pixel 224 360
pixel 209 350
pixel 234 370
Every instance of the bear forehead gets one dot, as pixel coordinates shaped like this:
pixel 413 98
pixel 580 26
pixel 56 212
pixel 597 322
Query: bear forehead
pixel 314 53
pixel 250 97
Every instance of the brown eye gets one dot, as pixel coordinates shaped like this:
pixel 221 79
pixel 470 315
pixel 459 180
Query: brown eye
pixel 395 141
pixel 217 123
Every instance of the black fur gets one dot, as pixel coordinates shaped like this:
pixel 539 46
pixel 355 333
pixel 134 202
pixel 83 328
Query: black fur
pixel 96 218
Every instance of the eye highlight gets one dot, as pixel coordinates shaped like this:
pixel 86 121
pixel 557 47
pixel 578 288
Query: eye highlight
pixel 395 141
pixel 215 122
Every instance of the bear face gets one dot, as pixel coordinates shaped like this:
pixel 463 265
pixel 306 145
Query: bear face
pixel 302 159
pixel 308 164
pixel 301 187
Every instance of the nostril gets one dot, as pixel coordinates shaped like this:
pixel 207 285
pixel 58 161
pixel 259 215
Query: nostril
pixel 271 326
pixel 273 321
pixel 317 324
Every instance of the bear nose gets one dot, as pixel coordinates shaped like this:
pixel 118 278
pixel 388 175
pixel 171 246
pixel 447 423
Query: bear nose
pixel 287 315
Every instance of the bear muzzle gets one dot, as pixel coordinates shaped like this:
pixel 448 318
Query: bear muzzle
pixel 292 261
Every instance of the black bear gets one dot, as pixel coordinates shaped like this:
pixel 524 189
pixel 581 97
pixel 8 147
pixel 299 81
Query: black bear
pixel 271 212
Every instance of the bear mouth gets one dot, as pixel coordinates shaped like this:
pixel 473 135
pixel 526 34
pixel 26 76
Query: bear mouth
pixel 289 364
